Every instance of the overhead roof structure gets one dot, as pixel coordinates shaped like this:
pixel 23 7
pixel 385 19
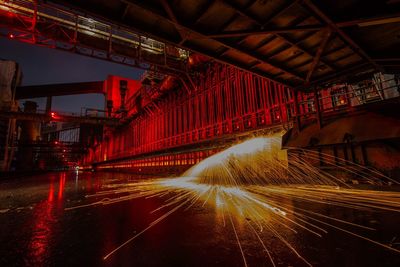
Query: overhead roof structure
pixel 296 42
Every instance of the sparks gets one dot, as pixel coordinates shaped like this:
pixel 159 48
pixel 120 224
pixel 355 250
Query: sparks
pixel 250 182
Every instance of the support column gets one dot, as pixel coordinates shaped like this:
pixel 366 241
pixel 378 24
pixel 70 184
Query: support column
pixel 29 133
pixel 364 155
pixel 109 107
pixel 123 87
pixel 48 104
pixel 335 154
pixel 297 110
pixel 318 108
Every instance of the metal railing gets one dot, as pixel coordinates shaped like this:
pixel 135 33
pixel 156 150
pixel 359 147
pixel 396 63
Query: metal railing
pixel 34 20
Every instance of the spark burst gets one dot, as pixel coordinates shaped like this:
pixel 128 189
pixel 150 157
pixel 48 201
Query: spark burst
pixel 251 181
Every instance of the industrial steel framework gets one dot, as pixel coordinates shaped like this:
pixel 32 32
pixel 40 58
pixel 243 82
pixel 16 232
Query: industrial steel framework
pixel 293 42
pixel 38 23
pixel 296 45
pixel 228 102
pixel 44 116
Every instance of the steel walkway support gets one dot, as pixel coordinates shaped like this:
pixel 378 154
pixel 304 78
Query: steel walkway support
pixel 47 25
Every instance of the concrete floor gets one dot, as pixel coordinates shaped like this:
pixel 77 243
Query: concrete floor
pixel 35 230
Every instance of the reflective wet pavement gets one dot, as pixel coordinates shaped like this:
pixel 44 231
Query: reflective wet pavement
pixel 35 230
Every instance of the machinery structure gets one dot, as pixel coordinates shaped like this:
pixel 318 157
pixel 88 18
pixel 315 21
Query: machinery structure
pixel 219 71
pixel 182 128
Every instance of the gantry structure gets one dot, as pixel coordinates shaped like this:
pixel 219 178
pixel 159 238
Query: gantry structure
pixel 235 66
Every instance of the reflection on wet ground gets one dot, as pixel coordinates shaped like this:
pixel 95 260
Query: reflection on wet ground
pixel 36 230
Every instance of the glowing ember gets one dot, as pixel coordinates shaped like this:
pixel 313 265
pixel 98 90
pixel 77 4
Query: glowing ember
pixel 250 183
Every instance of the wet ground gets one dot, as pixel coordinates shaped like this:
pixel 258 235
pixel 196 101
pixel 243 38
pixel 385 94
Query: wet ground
pixel 36 230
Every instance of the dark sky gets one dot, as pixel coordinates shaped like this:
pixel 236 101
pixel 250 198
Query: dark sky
pixel 42 65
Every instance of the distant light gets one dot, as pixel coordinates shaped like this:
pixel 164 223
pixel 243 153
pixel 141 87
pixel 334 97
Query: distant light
pixel 53 114
pixel 56 142
pixel 12 36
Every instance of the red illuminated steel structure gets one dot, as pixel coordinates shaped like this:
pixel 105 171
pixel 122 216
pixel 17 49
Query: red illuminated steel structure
pixel 51 26
pixel 226 102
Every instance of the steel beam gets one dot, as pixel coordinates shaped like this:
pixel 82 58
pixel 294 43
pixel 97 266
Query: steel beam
pixel 172 16
pixel 40 117
pixel 195 34
pixel 67 24
pixel 344 36
pixel 395 18
pixel 34 91
pixel 365 22
pixel 265 31
pixel 317 57
pixel 262 25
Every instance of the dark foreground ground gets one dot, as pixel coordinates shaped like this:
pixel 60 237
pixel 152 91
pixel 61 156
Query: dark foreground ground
pixel 35 230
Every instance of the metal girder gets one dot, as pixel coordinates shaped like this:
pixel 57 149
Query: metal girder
pixel 124 10
pixel 363 22
pixel 230 34
pixel 204 10
pixel 263 24
pixel 359 66
pixel 394 18
pixel 36 23
pixel 295 44
pixel 217 48
pixel 387 59
pixel 172 16
pixel 301 53
pixel 41 117
pixel 344 36
pixel 317 57
pixel 281 11
pixel 195 34
pixel 34 91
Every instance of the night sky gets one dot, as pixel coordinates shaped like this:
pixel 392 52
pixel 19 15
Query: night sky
pixel 42 65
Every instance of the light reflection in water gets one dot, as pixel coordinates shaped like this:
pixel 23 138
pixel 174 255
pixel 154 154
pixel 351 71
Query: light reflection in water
pixel 44 220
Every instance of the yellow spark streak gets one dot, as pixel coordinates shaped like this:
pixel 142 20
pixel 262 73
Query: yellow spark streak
pixel 262 243
pixel 238 241
pixel 254 181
